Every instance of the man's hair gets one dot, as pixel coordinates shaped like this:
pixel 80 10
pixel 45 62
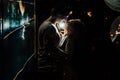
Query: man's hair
pixel 60 10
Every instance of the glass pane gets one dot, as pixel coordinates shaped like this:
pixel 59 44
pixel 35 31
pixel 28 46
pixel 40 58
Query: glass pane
pixel 18 35
pixel 1 19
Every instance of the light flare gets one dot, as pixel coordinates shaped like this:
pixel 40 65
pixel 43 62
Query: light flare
pixel 89 13
pixel 6 25
pixel 23 33
pixel 22 8
pixel 119 25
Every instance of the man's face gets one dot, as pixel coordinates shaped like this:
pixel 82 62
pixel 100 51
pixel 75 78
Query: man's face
pixel 62 26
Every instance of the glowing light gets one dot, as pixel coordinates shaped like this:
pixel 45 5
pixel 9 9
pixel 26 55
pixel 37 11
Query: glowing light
pixel 71 20
pixel 69 14
pixel 14 19
pixel 22 22
pixel 6 25
pixel 23 33
pixel 117 32
pixel 22 8
pixel 62 24
pixel 119 25
pixel 27 19
pixel 115 29
pixel 111 35
pixel 89 14
pixel 106 18
pixel 1 26
pixel 14 25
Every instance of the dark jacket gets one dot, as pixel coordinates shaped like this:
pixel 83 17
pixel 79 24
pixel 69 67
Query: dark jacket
pixel 50 56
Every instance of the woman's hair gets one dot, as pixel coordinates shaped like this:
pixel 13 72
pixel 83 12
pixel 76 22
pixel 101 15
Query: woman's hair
pixel 72 25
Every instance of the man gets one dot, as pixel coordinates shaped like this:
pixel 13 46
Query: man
pixel 52 34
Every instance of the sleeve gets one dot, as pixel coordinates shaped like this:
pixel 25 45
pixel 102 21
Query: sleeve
pixel 52 41
pixel 51 38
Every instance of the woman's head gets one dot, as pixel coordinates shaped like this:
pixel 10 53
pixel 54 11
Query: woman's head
pixel 73 24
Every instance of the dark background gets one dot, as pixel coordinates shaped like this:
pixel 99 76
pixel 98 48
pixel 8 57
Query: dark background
pixel 95 56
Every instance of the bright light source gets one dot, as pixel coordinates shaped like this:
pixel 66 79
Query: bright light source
pixel 23 33
pixel 70 12
pixel 22 22
pixel 62 24
pixel 6 25
pixel 117 32
pixel 89 14
pixel 22 8
pixel 1 27
pixel 111 35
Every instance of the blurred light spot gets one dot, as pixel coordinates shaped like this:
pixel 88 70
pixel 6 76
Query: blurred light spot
pixel 22 8
pixel 106 18
pixel 119 25
pixel 22 22
pixel 111 35
pixel 117 32
pixel 6 25
pixel 23 33
pixel 89 13
pixel 62 24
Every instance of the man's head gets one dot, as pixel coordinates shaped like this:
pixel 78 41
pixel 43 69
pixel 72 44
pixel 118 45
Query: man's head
pixel 60 10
